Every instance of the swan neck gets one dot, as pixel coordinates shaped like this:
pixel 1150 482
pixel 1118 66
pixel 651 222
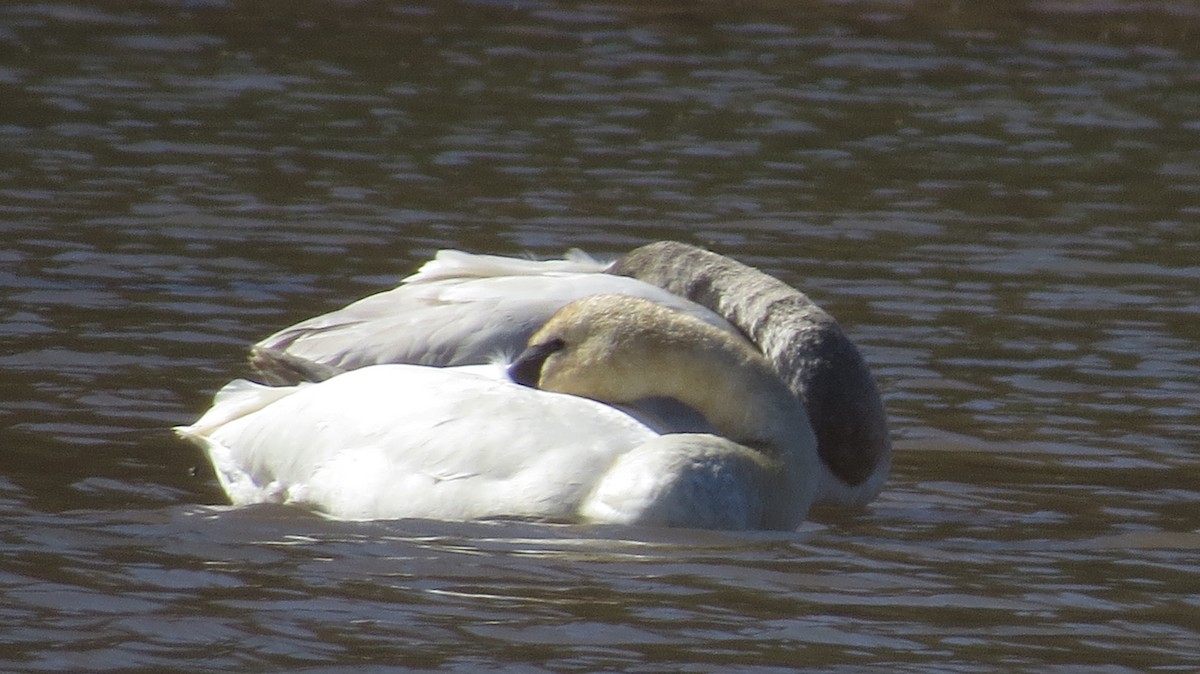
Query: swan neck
pixel 750 405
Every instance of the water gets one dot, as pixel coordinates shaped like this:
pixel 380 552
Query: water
pixel 1000 205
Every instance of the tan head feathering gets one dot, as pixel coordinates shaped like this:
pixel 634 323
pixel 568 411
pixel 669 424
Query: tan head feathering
pixel 619 349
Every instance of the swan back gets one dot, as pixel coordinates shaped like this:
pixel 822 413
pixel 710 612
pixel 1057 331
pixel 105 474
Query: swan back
pixel 808 349
pixel 458 309
pixel 391 441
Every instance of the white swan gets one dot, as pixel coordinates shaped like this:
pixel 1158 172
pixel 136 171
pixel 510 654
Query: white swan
pixel 389 441
pixel 461 308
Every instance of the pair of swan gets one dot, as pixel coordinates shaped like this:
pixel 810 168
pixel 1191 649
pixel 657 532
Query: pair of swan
pixel 669 388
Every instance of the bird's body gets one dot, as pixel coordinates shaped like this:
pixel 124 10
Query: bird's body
pixel 462 308
pixel 395 440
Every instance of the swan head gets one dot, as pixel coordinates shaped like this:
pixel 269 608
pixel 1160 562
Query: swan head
pixel 619 349
pixel 616 349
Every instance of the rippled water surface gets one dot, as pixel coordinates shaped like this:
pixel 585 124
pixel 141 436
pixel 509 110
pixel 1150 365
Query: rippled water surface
pixel 1000 204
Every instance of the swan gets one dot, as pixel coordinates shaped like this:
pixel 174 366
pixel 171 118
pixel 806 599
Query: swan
pixel 543 438
pixel 461 308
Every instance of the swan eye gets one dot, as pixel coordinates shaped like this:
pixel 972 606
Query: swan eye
pixel 527 368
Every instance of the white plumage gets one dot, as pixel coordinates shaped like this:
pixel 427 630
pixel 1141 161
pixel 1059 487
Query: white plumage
pixel 462 309
pixel 394 440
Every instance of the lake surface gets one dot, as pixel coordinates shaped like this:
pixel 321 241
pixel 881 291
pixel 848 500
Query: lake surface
pixel 1000 204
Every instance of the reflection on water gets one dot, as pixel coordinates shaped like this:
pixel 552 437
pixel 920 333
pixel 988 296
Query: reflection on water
pixel 1000 207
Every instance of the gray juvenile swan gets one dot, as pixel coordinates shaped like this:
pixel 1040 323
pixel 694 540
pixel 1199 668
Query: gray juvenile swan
pixel 806 347
pixel 463 309
pixel 542 439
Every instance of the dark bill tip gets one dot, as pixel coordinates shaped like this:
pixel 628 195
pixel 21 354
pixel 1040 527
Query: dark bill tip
pixel 527 368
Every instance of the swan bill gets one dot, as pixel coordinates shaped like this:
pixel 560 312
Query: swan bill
pixel 526 369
